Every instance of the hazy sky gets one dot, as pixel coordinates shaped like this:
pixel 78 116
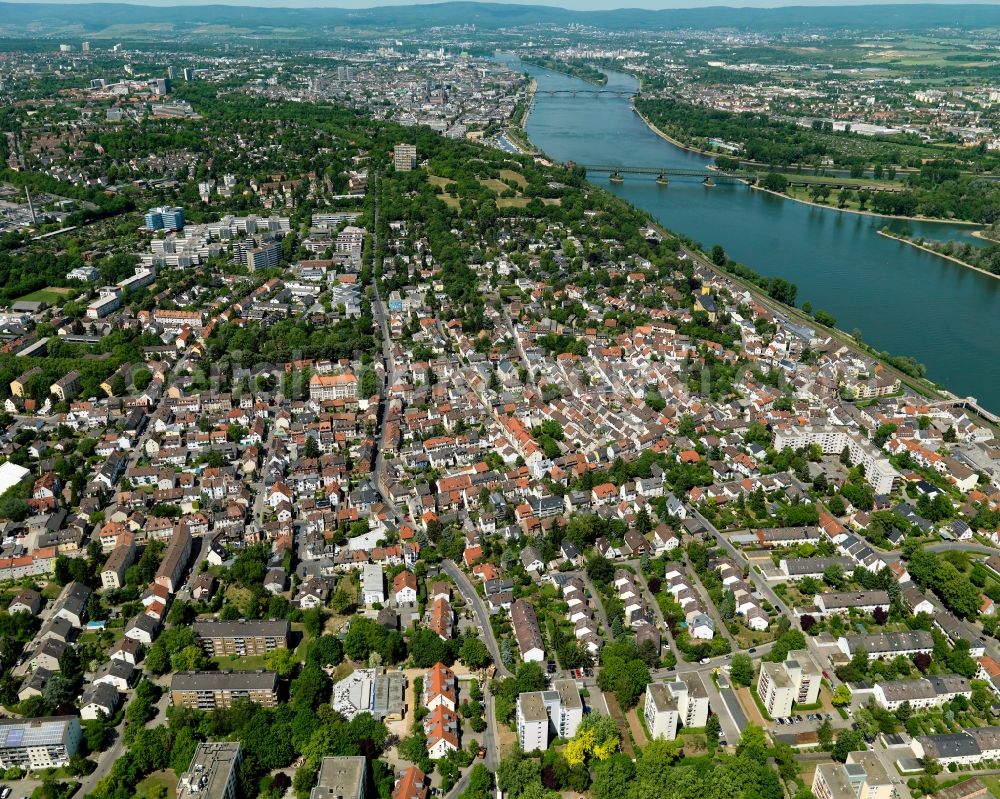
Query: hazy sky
pixel 580 5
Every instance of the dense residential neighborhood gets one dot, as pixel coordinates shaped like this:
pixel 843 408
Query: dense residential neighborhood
pixel 359 452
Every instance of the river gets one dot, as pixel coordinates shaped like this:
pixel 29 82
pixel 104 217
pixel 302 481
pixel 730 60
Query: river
pixel 903 300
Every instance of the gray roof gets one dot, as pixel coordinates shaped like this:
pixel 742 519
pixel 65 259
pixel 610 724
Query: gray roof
pixel 242 628
pixel 958 744
pixel 887 643
pixel 816 565
pixel 533 706
pixel 22 733
pixel 854 599
pixel 340 777
pixel 569 694
pixel 102 695
pixel 224 681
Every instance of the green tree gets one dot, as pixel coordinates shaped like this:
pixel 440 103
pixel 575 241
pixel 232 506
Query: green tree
pixel 474 653
pixel 741 669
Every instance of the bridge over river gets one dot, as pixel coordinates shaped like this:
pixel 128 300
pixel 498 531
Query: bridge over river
pixel 584 93
pixel 616 173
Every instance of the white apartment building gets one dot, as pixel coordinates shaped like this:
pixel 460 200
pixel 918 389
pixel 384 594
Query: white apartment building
pixel 404 157
pixel 879 473
pixel 539 713
pixel 32 744
pixel 780 686
pixel 671 705
pixel 861 777
pixel 532 722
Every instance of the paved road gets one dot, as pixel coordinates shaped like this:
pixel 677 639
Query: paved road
pixel 489 740
pixel 599 605
pixel 105 761
pixel 657 612
pixel 379 313
pixel 468 591
pixel 757 579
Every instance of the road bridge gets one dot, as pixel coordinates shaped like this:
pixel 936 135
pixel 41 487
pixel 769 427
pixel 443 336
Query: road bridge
pixel 663 174
pixel 584 93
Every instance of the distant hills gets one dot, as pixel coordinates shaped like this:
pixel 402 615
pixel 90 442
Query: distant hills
pixel 93 19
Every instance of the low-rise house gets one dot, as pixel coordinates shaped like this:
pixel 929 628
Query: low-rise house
pixel 100 701
pixel 527 632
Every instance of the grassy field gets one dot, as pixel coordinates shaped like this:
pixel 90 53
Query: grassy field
pixel 237 663
pixel 861 183
pixel 157 785
pixel 52 295
pixel 517 177
pixel 498 187
pixel 520 202
pixel 804 193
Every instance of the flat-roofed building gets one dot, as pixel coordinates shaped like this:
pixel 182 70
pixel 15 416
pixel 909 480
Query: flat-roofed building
pixel 561 714
pixel 796 681
pixel 242 637
pixel 404 157
pixel 32 744
pixel 668 706
pixel 372 584
pixel 207 690
pixel 212 773
pixel 532 722
pixel 340 778
pixel 660 711
pixel 862 777
pixel 879 473
pixel 379 692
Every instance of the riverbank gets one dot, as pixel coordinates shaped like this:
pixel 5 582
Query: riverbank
pixel 667 137
pixel 921 386
pixel 708 154
pixel 932 251
pixel 529 101
pixel 517 133
pixel 840 267
pixel 929 219
pixel 981 234
pixel 584 72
